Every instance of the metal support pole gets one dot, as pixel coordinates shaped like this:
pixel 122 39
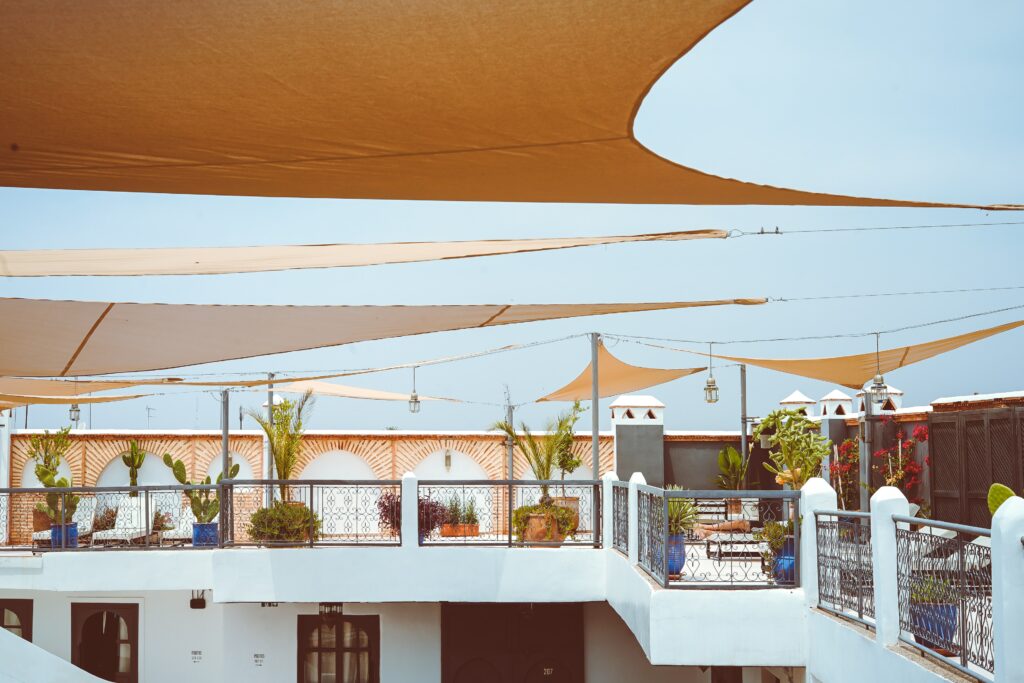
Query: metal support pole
pixel 509 443
pixel 224 426
pixel 865 455
pixel 595 452
pixel 744 446
pixel 270 419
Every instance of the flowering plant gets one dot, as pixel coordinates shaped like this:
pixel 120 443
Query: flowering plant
pixel 898 465
pixel 845 471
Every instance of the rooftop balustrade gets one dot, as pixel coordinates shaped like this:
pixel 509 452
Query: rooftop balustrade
pixel 845 581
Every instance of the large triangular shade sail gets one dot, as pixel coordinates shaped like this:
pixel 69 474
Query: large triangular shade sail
pixel 615 377
pixel 495 100
pixel 214 260
pixel 343 391
pixel 854 371
pixel 45 338
pixel 18 400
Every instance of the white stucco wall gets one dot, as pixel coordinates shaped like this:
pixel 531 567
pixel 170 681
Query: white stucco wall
pixel 337 465
pixel 152 472
pixel 244 468
pixel 463 467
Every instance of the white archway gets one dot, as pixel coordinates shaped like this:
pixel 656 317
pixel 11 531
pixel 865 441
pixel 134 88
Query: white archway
pixel 152 473
pixel 30 481
pixel 343 510
pixel 244 468
pixel 337 465
pixel 459 466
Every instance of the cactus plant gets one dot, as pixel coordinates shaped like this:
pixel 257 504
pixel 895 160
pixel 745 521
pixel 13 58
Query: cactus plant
pixel 205 502
pixel 48 450
pixel 133 460
pixel 997 495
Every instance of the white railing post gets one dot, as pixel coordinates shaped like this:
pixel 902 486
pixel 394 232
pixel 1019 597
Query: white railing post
pixel 410 511
pixel 816 494
pixel 608 509
pixel 886 502
pixel 634 517
pixel 1008 590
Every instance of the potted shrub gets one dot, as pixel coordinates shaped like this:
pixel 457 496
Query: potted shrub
pixel 780 557
pixel 798 447
pixel 205 503
pixel 682 515
pixel 283 524
pixel 48 450
pixel 285 435
pixel 733 469
pixel 461 520
pixel 133 460
pixel 431 515
pixel 544 521
pixel 933 608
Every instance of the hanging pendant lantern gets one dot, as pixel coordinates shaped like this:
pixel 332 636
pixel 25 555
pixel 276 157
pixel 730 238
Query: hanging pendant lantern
pixel 414 398
pixel 75 413
pixel 711 387
pixel 878 390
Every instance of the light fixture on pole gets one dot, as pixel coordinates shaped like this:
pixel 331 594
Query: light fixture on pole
pixel 711 387
pixel 878 392
pixel 414 398
pixel 75 413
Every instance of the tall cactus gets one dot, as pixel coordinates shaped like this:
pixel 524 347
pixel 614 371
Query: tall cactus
pixel 205 502
pixel 133 460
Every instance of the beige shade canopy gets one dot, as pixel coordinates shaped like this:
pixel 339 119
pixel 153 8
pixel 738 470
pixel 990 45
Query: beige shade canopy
pixel 214 260
pixel 615 377
pixel 342 391
pixel 61 387
pixel 47 338
pixel 854 371
pixel 18 400
pixel 497 100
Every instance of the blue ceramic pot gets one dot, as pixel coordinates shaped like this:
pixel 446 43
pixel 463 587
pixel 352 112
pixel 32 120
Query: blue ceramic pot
pixel 676 547
pixel 204 535
pixel 935 619
pixel 66 535
pixel 784 564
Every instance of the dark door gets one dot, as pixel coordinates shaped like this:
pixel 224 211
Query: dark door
pixel 16 617
pixel 339 649
pixel 105 640
pixel 514 643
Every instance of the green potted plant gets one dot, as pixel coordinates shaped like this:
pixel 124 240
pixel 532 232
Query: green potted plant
pixel 797 447
pixel 682 516
pixel 542 522
pixel 285 435
pixel 780 555
pixel 432 515
pixel 934 610
pixel 133 460
pixel 461 519
pixel 283 524
pixel 48 451
pixel 205 503
pixel 733 468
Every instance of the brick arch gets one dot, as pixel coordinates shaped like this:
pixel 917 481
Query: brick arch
pixel 207 450
pixel 376 452
pixel 104 450
pixel 488 454
pixel 20 459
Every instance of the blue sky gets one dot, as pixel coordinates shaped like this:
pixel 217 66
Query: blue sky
pixel 916 100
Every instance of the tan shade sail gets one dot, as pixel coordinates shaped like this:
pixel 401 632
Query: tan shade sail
pixel 59 387
pixel 16 400
pixel 497 100
pixel 615 377
pixel 213 260
pixel 342 391
pixel 854 371
pixel 45 338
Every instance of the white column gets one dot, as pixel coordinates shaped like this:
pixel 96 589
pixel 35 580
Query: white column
pixel 608 509
pixel 1008 589
pixel 6 425
pixel 816 494
pixel 410 511
pixel 634 516
pixel 886 502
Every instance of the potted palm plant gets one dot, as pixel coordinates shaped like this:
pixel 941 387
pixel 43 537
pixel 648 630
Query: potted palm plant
pixel 545 521
pixel 682 515
pixel 285 435
pixel 733 469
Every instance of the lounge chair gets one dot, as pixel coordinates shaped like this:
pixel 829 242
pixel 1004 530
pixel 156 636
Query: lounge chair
pixel 129 524
pixel 85 515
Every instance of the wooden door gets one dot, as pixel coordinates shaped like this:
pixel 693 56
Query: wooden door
pixel 105 640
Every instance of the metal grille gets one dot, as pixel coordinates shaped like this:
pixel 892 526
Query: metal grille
pixel 944 575
pixel 651 533
pixel 474 512
pixel 620 517
pixel 313 513
pixel 845 580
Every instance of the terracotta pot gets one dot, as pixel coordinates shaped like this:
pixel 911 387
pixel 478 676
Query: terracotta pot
pixel 567 502
pixel 542 528
pixel 450 530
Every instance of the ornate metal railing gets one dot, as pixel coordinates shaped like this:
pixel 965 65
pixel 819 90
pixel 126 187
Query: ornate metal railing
pixel 845 579
pixel 312 513
pixel 101 517
pixel 510 513
pixel 620 517
pixel 704 539
pixel 944 580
